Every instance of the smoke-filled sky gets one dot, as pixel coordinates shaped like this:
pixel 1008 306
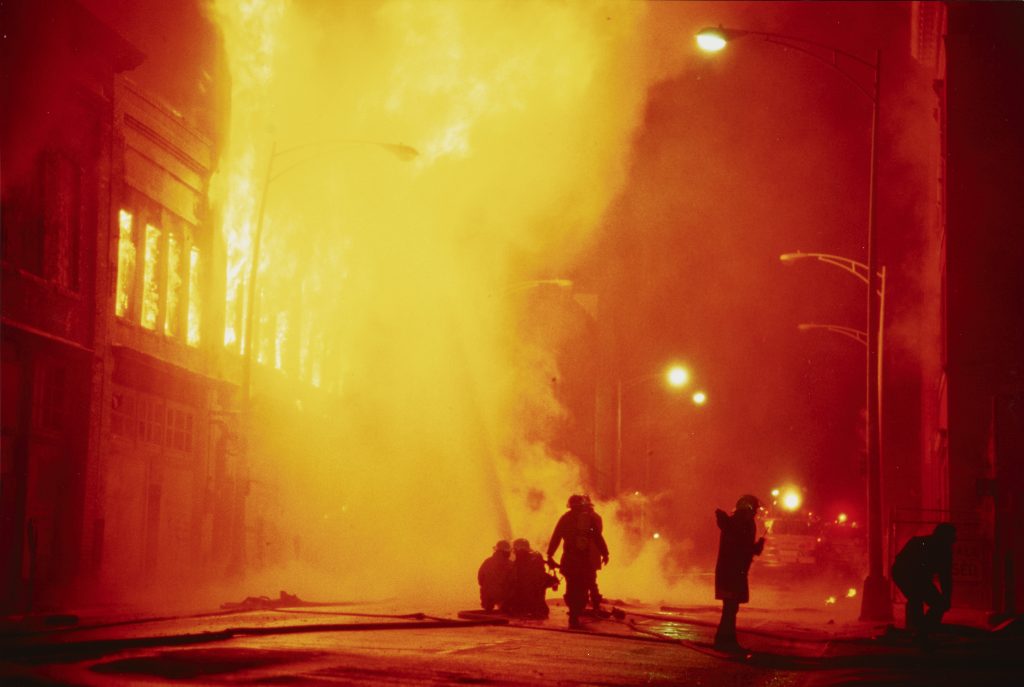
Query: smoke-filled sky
pixel 556 140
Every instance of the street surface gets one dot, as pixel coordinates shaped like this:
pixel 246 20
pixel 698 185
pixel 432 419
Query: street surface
pixel 379 644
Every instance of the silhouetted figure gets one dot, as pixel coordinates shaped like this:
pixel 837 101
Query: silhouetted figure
pixel 494 576
pixel 918 563
pixel 736 550
pixel 579 533
pixel 529 582
pixel 598 557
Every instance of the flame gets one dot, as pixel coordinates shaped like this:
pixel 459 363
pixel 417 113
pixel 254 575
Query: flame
pixel 172 317
pixel 125 263
pixel 425 157
pixel 195 295
pixel 151 278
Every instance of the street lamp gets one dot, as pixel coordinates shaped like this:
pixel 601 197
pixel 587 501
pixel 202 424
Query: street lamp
pixel 401 151
pixel 858 269
pixel 676 377
pixel 876 604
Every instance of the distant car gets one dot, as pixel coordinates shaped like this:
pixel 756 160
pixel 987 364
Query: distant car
pixel 791 542
pixel 843 549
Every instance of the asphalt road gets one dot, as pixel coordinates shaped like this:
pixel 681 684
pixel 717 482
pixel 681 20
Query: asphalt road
pixel 381 646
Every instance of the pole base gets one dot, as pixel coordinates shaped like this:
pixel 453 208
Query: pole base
pixel 875 602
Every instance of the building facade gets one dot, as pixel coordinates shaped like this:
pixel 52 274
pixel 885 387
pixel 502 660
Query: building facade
pixel 119 434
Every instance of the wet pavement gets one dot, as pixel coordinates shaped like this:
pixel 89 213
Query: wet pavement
pixel 384 643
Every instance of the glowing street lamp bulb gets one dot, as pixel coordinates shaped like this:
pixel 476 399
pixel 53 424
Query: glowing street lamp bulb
pixel 711 40
pixel 700 398
pixel 775 492
pixel 656 535
pixel 850 593
pixel 678 376
pixel 842 518
pixel 791 500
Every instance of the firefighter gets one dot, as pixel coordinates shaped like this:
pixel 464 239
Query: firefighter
pixel 529 582
pixel 580 535
pixel 493 577
pixel 919 562
pixel 736 550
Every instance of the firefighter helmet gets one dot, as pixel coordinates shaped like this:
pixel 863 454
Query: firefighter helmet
pixel 521 545
pixel 749 502
pixel 503 545
pixel 576 500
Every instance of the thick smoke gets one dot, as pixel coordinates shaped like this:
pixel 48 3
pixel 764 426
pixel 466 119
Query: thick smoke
pixel 395 282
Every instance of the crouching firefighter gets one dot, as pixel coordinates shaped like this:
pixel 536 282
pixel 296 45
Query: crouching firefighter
pixel 494 577
pixel 529 582
pixel 579 533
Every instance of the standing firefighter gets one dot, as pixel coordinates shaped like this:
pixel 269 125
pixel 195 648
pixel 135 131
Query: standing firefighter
pixel 579 533
pixel 918 563
pixel 736 550
pixel 493 576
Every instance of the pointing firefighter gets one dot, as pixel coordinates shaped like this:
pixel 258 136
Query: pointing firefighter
pixel 579 533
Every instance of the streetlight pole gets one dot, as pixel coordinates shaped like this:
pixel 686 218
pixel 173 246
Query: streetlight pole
pixel 875 602
pixel 248 342
pixel 676 376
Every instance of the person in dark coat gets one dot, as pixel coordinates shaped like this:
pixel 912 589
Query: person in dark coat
pixel 493 577
pixel 580 535
pixel 917 565
pixel 736 550
pixel 528 582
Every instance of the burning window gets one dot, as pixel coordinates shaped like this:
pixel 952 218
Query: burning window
pixel 195 303
pixel 125 263
pixel 172 317
pixel 151 278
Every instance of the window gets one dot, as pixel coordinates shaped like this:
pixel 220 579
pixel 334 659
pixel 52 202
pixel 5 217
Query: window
pixel 151 278
pixel 167 296
pixel 195 303
pixel 179 428
pixel 64 195
pixel 41 215
pixel 125 264
pixel 150 420
pixel 172 319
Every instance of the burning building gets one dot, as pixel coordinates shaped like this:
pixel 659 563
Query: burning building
pixel 412 288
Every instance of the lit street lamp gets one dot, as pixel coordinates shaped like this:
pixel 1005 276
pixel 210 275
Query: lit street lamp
pixel 875 604
pixel 676 377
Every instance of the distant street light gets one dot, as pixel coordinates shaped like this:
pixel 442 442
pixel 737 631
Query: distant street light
pixel 876 604
pixel 676 377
